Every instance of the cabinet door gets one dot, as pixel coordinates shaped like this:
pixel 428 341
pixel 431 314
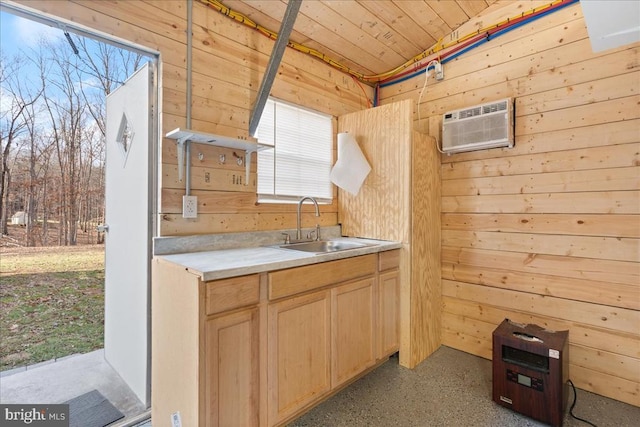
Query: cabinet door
pixel 299 351
pixel 232 369
pixel 353 324
pixel 389 309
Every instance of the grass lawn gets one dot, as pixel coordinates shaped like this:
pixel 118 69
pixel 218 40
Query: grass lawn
pixel 51 303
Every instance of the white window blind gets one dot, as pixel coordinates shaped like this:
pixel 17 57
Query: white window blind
pixel 299 164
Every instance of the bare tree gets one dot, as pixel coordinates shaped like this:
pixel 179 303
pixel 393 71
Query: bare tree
pixel 37 162
pixel 67 112
pixel 108 67
pixel 44 175
pixel 61 168
pixel 12 121
pixel 33 183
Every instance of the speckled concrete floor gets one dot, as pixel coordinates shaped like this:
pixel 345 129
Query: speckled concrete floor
pixel 57 381
pixel 450 388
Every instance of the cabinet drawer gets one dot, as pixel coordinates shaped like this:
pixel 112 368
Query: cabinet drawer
pixel 389 260
pixel 227 294
pixel 293 281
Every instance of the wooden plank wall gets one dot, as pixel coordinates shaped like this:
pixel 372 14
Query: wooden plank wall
pixel 382 207
pixel 547 232
pixel 228 63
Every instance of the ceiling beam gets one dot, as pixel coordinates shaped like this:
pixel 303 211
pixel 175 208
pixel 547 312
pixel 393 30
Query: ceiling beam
pixel 274 62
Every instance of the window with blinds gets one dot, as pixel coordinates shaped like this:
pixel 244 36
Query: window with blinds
pixel 300 161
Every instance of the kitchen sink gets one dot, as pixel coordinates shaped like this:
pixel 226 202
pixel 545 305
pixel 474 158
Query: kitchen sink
pixel 324 246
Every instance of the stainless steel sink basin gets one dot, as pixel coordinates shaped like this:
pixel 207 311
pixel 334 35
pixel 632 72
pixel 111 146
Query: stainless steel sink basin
pixel 324 246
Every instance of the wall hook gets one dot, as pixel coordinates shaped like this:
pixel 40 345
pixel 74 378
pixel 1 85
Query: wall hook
pixel 239 159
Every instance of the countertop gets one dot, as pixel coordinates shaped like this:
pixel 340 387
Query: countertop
pixel 221 264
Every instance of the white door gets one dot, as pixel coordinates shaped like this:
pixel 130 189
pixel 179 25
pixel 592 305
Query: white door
pixel 129 221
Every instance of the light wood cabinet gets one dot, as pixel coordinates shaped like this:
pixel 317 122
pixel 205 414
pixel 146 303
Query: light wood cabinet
pixel 299 353
pixel 388 313
pixel 227 294
pixel 294 281
pixel 326 337
pixel 232 352
pixel 388 303
pixel 205 349
pixel 259 350
pixel 353 320
pixel 231 371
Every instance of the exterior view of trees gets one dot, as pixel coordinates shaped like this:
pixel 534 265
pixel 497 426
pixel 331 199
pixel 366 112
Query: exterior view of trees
pixel 52 136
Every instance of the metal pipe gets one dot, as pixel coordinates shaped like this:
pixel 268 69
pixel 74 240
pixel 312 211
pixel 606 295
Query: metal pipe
pixel 274 62
pixel 187 169
pixel 189 58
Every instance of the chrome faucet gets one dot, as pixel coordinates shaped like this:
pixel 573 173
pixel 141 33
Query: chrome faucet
pixel 298 229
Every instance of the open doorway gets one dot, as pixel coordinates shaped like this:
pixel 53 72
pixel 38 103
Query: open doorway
pixel 62 138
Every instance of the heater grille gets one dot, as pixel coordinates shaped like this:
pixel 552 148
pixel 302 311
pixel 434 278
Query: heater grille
pixel 480 127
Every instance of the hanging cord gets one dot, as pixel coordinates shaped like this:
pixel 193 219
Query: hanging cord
pixel 575 398
pixel 424 87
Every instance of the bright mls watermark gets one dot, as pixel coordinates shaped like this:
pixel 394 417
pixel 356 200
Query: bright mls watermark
pixel 34 415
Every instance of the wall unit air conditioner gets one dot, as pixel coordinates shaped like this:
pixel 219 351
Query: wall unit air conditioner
pixel 477 128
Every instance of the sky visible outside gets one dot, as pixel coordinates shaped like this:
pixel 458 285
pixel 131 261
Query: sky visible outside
pixel 19 33
pixel 21 37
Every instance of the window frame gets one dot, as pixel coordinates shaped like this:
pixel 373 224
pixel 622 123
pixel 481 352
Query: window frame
pixel 325 161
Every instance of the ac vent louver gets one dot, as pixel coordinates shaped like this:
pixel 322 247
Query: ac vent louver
pixel 479 127
pixel 471 112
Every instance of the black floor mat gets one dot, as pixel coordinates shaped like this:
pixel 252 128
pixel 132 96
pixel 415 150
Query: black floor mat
pixel 92 409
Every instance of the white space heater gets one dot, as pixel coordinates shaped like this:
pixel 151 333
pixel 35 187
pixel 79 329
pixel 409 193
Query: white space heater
pixel 480 127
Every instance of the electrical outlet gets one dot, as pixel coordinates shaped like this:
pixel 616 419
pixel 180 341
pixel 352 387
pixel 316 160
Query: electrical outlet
pixel 439 71
pixel 176 420
pixel 189 206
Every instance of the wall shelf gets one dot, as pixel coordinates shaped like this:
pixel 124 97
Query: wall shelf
pixel 186 136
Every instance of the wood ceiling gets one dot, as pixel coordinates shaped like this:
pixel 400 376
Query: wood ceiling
pixel 368 36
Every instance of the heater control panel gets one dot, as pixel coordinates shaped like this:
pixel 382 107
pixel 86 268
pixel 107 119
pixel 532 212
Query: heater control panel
pixel 533 382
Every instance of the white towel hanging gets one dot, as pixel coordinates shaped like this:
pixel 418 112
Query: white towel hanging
pixel 352 167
